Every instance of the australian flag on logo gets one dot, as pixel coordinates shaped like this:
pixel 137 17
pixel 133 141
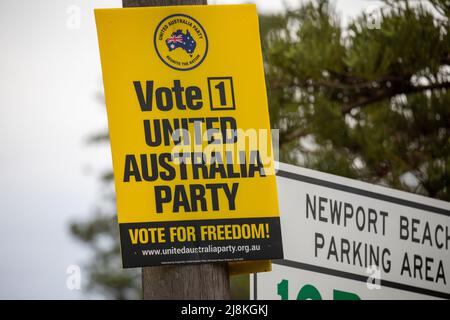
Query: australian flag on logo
pixel 182 40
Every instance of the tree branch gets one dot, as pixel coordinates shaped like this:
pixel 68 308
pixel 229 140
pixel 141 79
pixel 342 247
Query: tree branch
pixel 390 92
pixel 291 135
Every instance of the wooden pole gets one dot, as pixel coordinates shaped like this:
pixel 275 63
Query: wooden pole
pixel 200 281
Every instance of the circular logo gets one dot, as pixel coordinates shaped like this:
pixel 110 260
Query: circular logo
pixel 181 42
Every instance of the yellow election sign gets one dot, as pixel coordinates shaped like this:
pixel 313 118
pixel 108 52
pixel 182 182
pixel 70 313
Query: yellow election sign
pixel 190 135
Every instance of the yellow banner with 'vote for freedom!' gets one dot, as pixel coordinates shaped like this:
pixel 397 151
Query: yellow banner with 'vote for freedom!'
pixel 190 135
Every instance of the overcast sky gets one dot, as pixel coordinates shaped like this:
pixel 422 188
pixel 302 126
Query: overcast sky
pixel 49 78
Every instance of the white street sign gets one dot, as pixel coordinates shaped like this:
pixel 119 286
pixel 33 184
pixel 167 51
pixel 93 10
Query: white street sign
pixel 346 239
